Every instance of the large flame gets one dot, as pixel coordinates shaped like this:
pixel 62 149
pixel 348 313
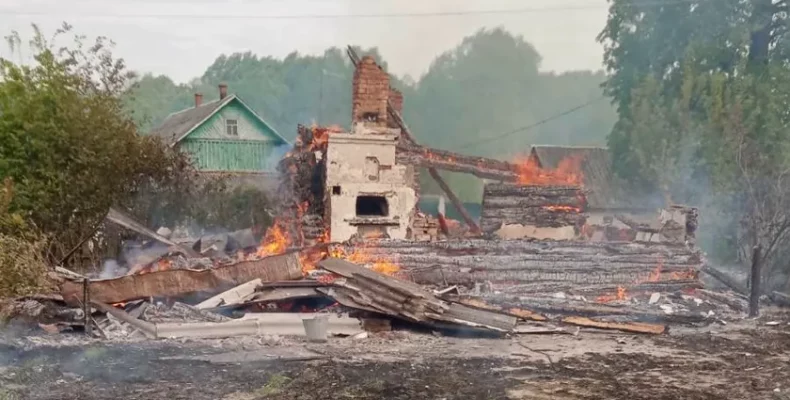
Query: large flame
pixel 274 242
pixel 361 255
pixel 568 172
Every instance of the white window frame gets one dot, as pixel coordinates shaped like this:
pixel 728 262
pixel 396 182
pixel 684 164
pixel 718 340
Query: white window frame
pixel 232 127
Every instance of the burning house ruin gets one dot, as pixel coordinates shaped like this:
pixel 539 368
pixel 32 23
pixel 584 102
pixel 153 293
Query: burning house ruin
pixel 546 243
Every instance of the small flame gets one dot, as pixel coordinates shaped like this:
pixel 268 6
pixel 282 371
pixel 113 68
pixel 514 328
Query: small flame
pixel 362 256
pixel 568 172
pixel 622 294
pixel 685 275
pixel 568 209
pixel 655 275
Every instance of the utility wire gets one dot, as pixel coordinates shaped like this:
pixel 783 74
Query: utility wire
pixel 528 127
pixel 526 10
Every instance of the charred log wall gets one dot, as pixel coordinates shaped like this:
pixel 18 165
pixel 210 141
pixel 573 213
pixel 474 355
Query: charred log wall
pixel 529 266
pixel 540 206
pixel 301 190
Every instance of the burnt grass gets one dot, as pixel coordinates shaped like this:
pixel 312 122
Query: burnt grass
pixel 138 372
pixel 702 367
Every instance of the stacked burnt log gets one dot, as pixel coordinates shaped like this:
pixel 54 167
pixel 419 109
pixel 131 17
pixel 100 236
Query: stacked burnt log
pixel 301 193
pixel 526 205
pixel 543 266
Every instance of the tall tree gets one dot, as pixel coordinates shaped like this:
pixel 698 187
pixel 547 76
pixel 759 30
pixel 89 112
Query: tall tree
pixel 69 149
pixel 701 91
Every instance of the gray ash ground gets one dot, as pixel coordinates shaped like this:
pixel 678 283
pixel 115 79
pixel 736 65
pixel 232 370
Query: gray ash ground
pixel 745 360
pixel 144 371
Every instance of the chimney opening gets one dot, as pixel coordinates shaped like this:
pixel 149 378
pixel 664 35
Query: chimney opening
pixel 370 117
pixel 372 206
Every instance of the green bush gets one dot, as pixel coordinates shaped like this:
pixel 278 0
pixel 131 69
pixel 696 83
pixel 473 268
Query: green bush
pixel 23 270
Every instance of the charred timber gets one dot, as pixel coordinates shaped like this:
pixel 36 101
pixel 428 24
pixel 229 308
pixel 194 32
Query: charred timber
pixel 565 307
pixel 543 266
pixel 530 205
pixel 177 282
pixel 481 167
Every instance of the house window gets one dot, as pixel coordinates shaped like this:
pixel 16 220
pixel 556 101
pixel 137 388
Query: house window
pixel 232 127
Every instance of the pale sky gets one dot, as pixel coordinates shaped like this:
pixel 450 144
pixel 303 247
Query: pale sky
pixel 180 38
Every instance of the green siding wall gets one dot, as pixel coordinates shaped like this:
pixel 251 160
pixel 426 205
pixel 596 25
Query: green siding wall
pixel 250 128
pixel 230 155
pixel 252 150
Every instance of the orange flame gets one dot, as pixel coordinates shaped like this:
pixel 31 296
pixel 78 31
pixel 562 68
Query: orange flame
pixel 685 275
pixel 363 256
pixel 275 242
pixel 568 172
pixel 622 294
pixel 655 275
pixel 563 209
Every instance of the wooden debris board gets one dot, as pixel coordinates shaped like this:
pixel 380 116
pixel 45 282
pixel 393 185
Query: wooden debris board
pixel 632 327
pixel 176 282
pixel 369 290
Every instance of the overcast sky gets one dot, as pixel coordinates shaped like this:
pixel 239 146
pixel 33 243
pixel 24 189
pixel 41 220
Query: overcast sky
pixel 180 38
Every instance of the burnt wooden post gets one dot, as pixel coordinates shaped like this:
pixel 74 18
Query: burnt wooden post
pixel 754 298
pixel 86 306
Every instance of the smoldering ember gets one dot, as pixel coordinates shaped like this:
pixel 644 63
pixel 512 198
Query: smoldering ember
pixel 569 286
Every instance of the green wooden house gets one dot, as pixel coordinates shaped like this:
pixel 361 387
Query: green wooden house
pixel 224 136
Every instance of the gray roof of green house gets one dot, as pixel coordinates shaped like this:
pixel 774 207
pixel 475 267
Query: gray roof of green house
pixel 181 123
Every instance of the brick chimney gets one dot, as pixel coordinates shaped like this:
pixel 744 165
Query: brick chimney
pixel 370 93
pixel 396 99
pixel 223 91
pixel 198 99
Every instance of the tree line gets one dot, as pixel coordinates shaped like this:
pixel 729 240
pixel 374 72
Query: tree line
pixel 702 90
pixel 490 84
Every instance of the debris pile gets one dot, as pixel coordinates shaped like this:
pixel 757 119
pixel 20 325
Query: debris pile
pixel 349 242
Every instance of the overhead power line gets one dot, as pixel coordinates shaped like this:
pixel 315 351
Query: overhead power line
pixel 523 10
pixel 528 127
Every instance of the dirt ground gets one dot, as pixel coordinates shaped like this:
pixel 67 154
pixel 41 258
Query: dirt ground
pixel 745 360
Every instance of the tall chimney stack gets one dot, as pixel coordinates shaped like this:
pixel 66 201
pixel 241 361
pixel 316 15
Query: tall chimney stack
pixel 223 91
pixel 198 99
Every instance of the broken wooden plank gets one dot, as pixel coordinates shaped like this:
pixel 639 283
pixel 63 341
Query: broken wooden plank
pixel 145 327
pixel 727 280
pixel 567 307
pixel 437 159
pixel 460 313
pixel 633 327
pixel 232 296
pixel 732 301
pixel 129 223
pixel 780 298
pixel 513 311
pixel 368 290
pixel 176 282
pixel 473 227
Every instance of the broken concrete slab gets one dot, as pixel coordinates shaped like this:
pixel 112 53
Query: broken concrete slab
pixel 256 324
